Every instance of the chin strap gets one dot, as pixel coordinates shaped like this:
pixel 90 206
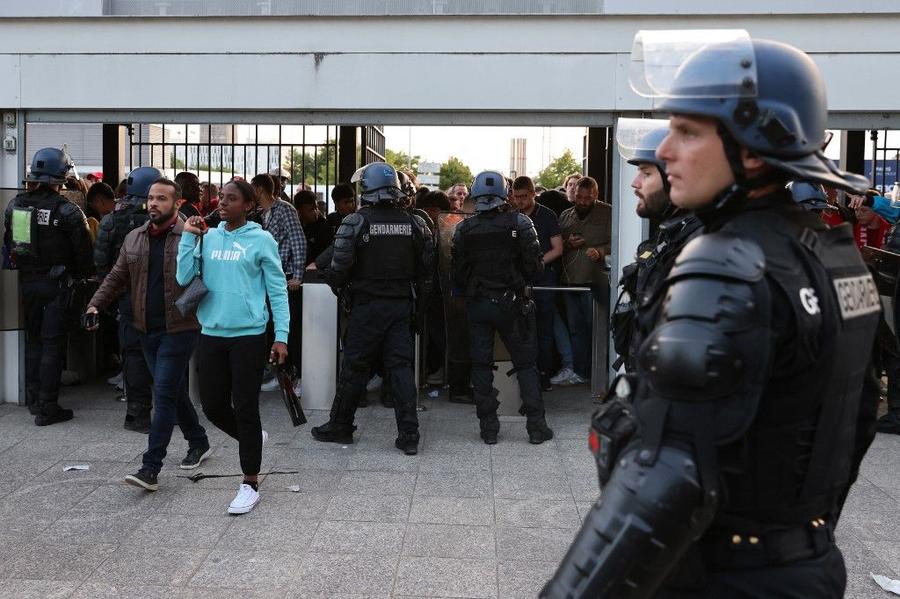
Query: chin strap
pixel 734 197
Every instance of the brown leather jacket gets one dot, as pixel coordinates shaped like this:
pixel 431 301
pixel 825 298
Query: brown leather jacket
pixel 130 271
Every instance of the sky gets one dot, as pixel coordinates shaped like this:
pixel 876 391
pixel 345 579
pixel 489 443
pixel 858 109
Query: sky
pixel 484 148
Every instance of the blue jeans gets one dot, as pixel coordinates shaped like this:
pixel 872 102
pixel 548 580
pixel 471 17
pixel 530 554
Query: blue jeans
pixel 563 342
pixel 168 356
pixel 579 313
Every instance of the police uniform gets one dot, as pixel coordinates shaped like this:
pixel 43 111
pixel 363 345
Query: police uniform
pixel 495 255
pixel 383 261
pixel 644 278
pixel 130 214
pixel 48 241
pixel 726 462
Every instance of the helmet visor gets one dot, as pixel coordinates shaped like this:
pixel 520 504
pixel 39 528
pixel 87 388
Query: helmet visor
pixel 639 137
pixel 670 64
pixel 358 174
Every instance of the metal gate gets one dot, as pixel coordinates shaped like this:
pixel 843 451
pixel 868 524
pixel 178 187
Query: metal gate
pixel 217 153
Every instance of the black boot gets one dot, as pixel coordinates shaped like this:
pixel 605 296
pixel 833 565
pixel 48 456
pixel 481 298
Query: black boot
pixel 890 423
pixel 51 414
pixel 333 433
pixel 538 433
pixel 407 443
pixel 137 424
pixel 490 427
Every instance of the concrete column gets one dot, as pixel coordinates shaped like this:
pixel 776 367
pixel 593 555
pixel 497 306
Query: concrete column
pixel 113 154
pixel 12 338
pixel 853 152
pixel 348 153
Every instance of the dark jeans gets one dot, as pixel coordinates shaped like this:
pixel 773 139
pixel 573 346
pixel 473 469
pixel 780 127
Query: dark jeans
pixel 168 357
pixel 545 304
pixel 136 377
pixel 295 338
pixel 458 362
pixel 378 325
pixel 517 331
pixel 823 577
pixel 231 371
pixel 45 339
pixel 580 314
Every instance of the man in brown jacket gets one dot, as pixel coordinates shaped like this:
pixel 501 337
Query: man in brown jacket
pixel 587 238
pixel 146 264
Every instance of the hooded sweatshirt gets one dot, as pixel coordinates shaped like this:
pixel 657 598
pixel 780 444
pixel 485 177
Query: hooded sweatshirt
pixel 239 267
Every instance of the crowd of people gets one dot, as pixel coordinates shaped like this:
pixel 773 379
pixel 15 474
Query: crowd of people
pixel 139 245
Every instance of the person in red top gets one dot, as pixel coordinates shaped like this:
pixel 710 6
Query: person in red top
pixel 870 229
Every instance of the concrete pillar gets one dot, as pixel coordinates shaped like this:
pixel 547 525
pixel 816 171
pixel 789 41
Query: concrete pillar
pixel 348 153
pixel 12 338
pixel 113 154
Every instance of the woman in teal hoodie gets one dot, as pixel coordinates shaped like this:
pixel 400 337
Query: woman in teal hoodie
pixel 240 266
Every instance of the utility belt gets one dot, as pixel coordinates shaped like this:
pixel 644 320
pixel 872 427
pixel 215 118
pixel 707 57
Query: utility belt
pixel 727 550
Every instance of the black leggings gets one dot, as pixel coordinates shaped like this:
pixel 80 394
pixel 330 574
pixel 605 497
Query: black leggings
pixel 230 373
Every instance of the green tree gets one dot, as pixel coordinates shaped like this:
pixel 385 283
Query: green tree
pixel 454 171
pixel 318 168
pixel 402 161
pixel 556 172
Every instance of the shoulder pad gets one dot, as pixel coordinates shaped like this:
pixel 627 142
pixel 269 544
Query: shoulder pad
pixel 354 220
pixel 720 255
pixel 522 221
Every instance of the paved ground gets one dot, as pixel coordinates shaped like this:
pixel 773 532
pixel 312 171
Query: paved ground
pixel 459 520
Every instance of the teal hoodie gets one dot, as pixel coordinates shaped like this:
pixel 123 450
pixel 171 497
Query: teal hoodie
pixel 239 267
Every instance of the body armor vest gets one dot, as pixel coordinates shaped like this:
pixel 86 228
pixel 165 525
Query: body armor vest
pixel 794 463
pixel 493 249
pixel 385 253
pixel 125 221
pixel 39 240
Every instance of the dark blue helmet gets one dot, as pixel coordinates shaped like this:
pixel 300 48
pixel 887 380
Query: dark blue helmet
pixel 140 180
pixel 646 149
pixel 378 182
pixel 810 196
pixel 769 96
pixel 49 165
pixel 488 191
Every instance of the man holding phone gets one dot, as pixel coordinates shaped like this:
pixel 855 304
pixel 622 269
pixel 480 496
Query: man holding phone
pixel 146 265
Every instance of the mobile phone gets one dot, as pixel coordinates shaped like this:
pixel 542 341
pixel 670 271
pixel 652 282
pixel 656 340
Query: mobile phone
pixel 89 320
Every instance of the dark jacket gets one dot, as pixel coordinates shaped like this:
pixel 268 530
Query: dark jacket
pixel 130 271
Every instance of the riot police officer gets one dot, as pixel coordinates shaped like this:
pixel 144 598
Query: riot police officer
pixel 383 260
pixel 754 401
pixel 46 238
pixel 671 229
pixel 495 255
pixel 130 213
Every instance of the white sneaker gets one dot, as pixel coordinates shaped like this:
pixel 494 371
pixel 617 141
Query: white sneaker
pixel 245 500
pixel 562 377
pixel 374 384
pixel 270 385
pixel 575 379
pixel 115 381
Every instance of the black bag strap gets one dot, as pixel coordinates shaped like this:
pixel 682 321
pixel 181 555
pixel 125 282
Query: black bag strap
pixel 200 260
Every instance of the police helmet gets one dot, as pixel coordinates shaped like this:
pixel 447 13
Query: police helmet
pixel 140 180
pixel 769 97
pixel 488 190
pixel 809 195
pixel 49 165
pixel 378 182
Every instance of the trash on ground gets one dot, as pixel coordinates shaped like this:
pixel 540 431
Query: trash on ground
pixel 294 488
pixel 76 467
pixel 888 584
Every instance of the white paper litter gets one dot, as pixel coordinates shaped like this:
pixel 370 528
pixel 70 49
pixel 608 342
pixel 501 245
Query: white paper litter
pixel 433 394
pixel 294 488
pixel 888 584
pixel 76 467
